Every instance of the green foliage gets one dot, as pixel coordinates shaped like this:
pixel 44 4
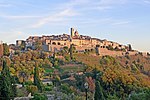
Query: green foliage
pixel 71 51
pixel 28 83
pixel 66 88
pixel 98 92
pixel 108 60
pixel 112 97
pixel 48 88
pixel 6 49
pixel 37 80
pixel 67 58
pixel 32 89
pixel 142 95
pixel 22 92
pixel 40 97
pixel 7 88
pixel 134 68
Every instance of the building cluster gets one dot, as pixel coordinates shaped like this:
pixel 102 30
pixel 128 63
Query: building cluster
pixel 57 42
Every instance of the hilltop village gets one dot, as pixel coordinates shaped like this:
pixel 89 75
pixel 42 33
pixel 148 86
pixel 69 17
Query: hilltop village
pixel 55 43
pixel 66 64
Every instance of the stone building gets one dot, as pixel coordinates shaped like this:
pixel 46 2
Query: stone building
pixel 20 42
pixel 57 42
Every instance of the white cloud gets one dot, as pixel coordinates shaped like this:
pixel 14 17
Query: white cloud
pixel 120 23
pixel 55 18
pixel 109 4
pixel 18 17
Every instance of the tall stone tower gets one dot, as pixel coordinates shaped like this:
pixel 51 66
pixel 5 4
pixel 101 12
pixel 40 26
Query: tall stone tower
pixel 72 32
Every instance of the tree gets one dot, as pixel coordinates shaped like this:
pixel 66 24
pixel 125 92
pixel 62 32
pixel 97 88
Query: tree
pixel 7 87
pixel 130 47
pixel 71 51
pixel 98 91
pixel 39 97
pixel 23 76
pixel 37 80
pixel 54 60
pixel 65 49
pixel 6 49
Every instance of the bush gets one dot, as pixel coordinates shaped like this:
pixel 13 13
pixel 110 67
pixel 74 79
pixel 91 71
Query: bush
pixel 134 68
pixel 40 97
pixel 22 92
pixel 140 95
pixel 66 88
pixel 32 89
pixel 28 83
pixel 67 58
pixel 48 88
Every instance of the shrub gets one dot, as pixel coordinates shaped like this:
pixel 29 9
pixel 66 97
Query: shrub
pixel 32 89
pixel 40 97
pixel 66 88
pixel 48 88
pixel 28 83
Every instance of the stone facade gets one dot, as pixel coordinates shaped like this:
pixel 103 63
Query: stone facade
pixel 57 42
pixel 105 51
pixel 20 42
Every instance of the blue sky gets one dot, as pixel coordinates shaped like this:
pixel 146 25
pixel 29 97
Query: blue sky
pixel 123 21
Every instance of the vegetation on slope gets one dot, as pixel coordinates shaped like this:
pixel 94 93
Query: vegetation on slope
pixel 125 77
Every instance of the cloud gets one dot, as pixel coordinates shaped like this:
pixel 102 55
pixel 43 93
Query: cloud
pixel 108 4
pixel 19 17
pixel 57 17
pixel 120 23
pixel 100 5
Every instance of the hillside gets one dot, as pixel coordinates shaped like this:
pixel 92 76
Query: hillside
pixel 65 72
pixel 136 66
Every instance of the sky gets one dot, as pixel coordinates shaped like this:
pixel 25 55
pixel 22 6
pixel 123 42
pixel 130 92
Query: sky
pixel 122 21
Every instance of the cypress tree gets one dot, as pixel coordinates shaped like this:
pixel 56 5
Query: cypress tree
pixel 37 80
pixel 7 89
pixel 71 51
pixel 98 91
pixel 130 47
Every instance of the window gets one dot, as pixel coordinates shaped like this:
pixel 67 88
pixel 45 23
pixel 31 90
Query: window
pixel 53 43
